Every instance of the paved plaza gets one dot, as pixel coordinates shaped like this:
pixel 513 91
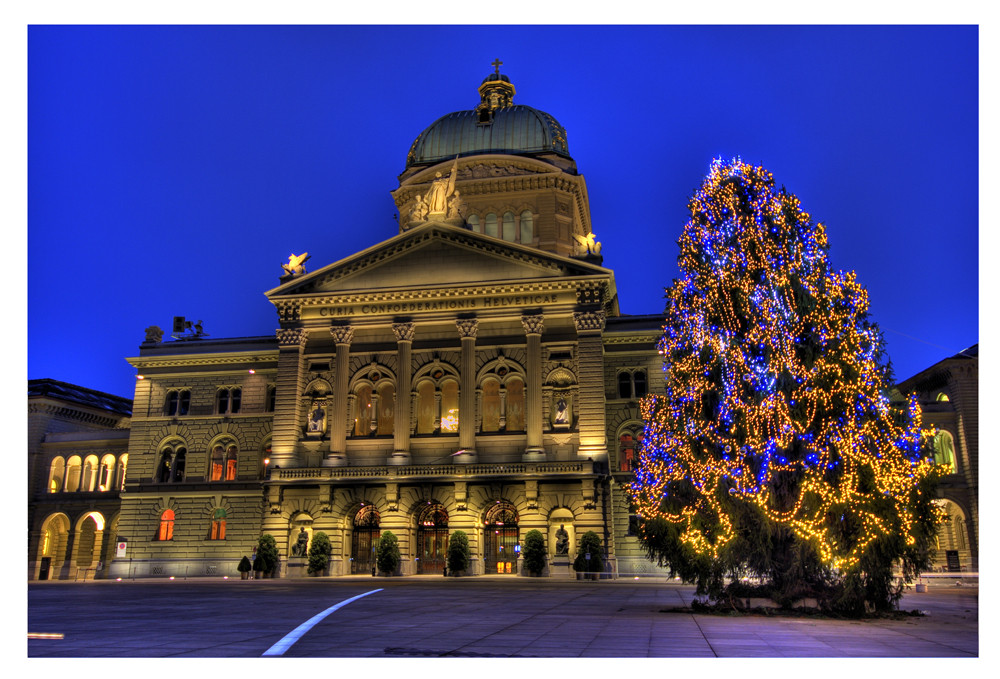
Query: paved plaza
pixel 484 617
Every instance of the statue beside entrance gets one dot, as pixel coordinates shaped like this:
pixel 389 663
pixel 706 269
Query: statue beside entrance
pixel 562 541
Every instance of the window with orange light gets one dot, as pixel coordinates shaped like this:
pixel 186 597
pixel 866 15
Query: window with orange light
pixel 166 531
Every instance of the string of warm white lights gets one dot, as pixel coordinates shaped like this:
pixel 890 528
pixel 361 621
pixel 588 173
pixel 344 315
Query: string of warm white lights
pixel 775 385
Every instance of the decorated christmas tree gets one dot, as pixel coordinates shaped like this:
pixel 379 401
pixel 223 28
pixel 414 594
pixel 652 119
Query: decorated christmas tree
pixel 776 455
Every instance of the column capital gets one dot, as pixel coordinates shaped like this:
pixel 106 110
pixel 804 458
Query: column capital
pixel 403 331
pixel 533 325
pixel 467 327
pixel 589 321
pixel 291 337
pixel 342 334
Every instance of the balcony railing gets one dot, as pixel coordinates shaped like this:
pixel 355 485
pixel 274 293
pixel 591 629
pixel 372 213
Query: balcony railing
pixel 434 471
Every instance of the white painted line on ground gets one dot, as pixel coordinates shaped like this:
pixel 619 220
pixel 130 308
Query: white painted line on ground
pixel 293 636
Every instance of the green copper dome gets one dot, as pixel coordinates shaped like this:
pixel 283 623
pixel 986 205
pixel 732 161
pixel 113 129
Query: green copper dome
pixel 497 125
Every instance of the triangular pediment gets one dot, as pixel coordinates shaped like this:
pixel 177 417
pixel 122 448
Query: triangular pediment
pixel 435 255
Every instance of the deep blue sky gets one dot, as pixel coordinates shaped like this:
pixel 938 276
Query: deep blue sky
pixel 171 170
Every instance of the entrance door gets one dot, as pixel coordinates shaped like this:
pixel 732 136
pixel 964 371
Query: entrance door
pixel 43 572
pixel 364 539
pixel 432 539
pixel 500 535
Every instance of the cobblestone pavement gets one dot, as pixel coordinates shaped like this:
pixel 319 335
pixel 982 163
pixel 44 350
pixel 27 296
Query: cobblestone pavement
pixel 482 617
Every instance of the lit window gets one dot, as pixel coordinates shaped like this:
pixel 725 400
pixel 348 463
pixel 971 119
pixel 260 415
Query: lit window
pixel 57 472
pixel 218 531
pixel 223 463
pixel 944 450
pixel 166 531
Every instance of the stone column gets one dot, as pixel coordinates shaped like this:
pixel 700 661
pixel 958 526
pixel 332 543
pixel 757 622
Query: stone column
pixel 287 399
pixel 401 426
pixel 591 410
pixel 342 336
pixel 533 328
pixel 467 329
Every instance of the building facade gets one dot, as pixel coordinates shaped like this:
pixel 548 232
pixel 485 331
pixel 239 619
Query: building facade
pixel 948 393
pixel 473 372
pixel 77 459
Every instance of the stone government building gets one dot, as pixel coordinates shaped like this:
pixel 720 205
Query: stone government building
pixel 472 373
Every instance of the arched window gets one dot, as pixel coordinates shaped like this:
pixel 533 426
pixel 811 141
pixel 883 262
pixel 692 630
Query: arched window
pixel 639 383
pixel 228 400
pixel 449 406
pixel 624 385
pixel 57 472
pixel 473 222
pixel 426 407
pixel 166 531
pixel 89 474
pixel 224 458
pixel 365 410
pixel 171 465
pixel 120 472
pixel 178 402
pixel 944 450
pixel 218 530
pixel 73 474
pixel 515 404
pixel 386 407
pixel 508 226
pixel 527 227
pixel 628 451
pixel 490 225
pixel 491 406
pixel 942 397
pixel 104 476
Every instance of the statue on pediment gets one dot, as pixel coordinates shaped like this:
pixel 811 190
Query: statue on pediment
pixel 154 334
pixel 586 245
pixel 296 264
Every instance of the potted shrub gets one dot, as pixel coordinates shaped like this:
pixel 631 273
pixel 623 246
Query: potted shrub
pixel 244 568
pixel 459 556
pixel 319 553
pixel 588 559
pixel 387 553
pixel 534 552
pixel 267 559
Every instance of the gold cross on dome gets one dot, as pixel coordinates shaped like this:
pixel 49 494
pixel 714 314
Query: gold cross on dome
pixel 497 64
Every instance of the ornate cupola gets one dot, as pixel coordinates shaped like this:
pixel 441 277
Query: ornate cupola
pixel 502 170
pixel 495 92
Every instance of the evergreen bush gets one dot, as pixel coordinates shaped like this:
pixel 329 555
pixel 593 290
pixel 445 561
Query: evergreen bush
pixel 319 553
pixel 534 552
pixel 387 554
pixel 590 543
pixel 459 555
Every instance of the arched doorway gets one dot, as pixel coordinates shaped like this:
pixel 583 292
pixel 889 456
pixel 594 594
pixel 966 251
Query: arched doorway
pixel 364 539
pixel 500 538
pixel 52 546
pixel 89 540
pixel 432 539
